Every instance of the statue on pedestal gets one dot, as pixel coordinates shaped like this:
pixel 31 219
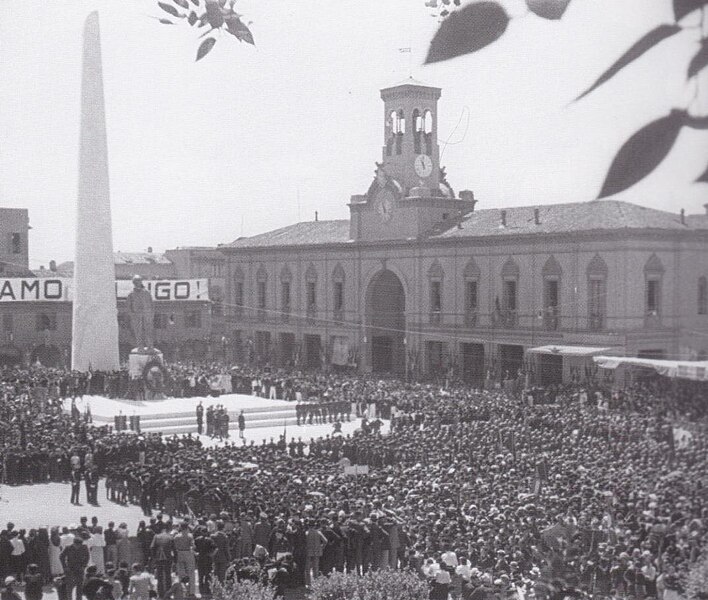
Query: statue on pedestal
pixel 145 362
pixel 141 314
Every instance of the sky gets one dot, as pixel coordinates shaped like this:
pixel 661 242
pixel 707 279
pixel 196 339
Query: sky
pixel 255 138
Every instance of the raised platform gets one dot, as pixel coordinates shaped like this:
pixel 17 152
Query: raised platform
pixel 178 415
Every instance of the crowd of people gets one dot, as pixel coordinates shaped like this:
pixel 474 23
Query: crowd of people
pixel 559 491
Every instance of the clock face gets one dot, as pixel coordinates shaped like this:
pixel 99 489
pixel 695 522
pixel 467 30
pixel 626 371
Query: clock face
pixel 423 165
pixel 384 204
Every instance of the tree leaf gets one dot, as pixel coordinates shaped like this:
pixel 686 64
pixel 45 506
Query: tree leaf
pixel 700 60
pixel 236 27
pixel 548 9
pixel 181 3
pixel 192 18
pixel 214 14
pixel 642 153
pixel 646 43
pixel 168 8
pixel 467 30
pixel 695 122
pixel 205 47
pixel 166 22
pixel 684 7
pixel 703 177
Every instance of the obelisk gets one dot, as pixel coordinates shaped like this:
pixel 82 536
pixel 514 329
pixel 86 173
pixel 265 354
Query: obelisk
pixel 94 343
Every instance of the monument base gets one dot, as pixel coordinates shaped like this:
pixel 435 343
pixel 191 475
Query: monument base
pixel 152 377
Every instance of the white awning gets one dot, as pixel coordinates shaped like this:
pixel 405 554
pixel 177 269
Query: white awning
pixel 697 370
pixel 570 350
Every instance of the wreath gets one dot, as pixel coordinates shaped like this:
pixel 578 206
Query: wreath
pixel 153 382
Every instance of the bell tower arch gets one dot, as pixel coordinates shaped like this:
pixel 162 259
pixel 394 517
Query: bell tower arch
pixel 411 154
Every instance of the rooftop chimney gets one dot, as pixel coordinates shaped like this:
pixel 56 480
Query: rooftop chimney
pixel 706 207
pixel 52 265
pixel 683 216
pixel 503 218
pixel 537 216
pixel 149 249
pixel 316 216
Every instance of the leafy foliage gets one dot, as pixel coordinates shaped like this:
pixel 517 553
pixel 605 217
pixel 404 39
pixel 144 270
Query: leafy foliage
pixel 703 177
pixel 548 9
pixel 685 7
pixel 467 30
pixel 205 47
pixel 241 590
pixel 642 153
pixel 700 60
pixel 647 42
pixel 481 23
pixel 218 14
pixel 374 585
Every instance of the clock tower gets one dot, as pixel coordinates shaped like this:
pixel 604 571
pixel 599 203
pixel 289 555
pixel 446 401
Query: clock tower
pixel 409 194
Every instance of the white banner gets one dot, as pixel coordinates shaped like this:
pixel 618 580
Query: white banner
pixel 58 289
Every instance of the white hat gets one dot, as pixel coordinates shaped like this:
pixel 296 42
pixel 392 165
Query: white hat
pixel 9 580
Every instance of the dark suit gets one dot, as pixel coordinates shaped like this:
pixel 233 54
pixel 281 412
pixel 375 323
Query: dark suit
pixel 163 552
pixel 222 554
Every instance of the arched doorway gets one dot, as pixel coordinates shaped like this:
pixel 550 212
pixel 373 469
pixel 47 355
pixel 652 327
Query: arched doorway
pixel 10 356
pixel 386 323
pixel 47 356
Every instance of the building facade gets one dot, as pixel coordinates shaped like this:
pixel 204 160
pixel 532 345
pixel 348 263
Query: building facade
pixel 14 242
pixel 420 281
pixel 36 312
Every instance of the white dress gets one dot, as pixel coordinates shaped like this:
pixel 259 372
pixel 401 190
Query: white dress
pixel 55 565
pixel 95 544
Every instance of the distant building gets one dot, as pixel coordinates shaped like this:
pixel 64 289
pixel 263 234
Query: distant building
pixel 14 242
pixel 35 310
pixel 419 281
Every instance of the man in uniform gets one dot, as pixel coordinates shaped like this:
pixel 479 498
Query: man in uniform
pixel 162 548
pixel 75 484
pixel 222 552
pixel 200 417
pixel 184 547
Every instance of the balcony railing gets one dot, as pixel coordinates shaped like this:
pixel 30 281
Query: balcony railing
pixel 339 315
pixel 285 313
pixel 435 317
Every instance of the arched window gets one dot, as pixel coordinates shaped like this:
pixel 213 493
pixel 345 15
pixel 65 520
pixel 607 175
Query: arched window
pixel 597 293
pixel 471 274
pixel 262 290
pixel 436 275
pixel 285 295
pixel 401 130
pixel 702 295
pixel 653 275
pixel 392 127
pixel 417 130
pixel 552 273
pixel 510 290
pixel 338 291
pixel 428 131
pixel 238 279
pixel 311 288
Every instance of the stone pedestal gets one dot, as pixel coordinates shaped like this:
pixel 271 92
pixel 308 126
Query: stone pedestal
pixel 139 357
pixel 151 383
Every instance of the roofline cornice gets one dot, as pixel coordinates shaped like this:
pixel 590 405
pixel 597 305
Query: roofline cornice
pixel 573 237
